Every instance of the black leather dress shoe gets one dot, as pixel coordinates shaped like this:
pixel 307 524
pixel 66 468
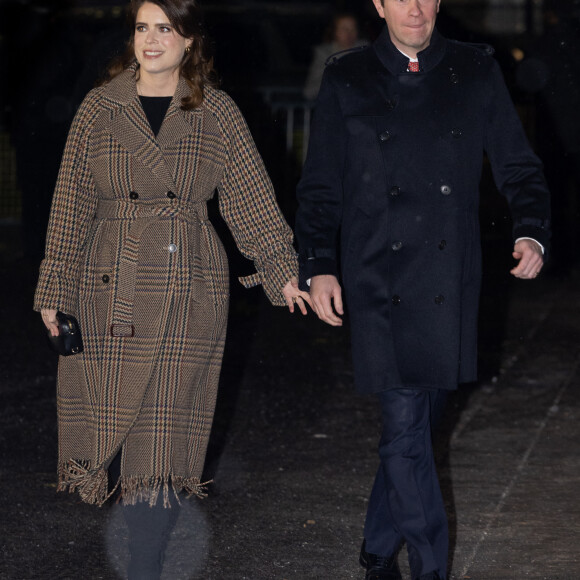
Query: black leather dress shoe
pixel 379 567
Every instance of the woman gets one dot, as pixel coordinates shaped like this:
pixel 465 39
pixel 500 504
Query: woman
pixel 131 252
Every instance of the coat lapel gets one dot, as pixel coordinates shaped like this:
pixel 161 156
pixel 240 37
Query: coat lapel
pixel 177 125
pixel 131 128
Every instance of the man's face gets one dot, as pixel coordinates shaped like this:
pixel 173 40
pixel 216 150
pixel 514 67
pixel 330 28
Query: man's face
pixel 410 22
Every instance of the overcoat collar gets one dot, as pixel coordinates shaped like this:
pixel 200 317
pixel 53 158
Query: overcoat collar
pixel 396 62
pixel 131 127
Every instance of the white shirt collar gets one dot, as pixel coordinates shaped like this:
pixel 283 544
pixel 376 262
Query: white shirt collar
pixel 407 56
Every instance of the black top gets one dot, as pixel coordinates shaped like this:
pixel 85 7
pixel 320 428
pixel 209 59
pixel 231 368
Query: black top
pixel 155 109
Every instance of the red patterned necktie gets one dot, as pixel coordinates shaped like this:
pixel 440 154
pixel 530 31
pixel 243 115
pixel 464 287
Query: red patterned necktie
pixel 413 66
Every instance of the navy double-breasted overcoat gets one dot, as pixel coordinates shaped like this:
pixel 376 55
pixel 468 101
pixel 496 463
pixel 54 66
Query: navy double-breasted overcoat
pixel 390 191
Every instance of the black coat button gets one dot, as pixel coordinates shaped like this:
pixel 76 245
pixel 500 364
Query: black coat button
pixel 442 244
pixel 395 191
pixel 134 195
pixel 396 300
pixel 445 190
pixel 105 278
pixel 391 104
pixel 439 299
pixel 171 195
pixel 396 246
pixel 384 136
pixel 456 133
pixel 454 78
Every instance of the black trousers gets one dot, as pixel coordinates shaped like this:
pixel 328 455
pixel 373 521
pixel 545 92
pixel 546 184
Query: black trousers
pixel 406 502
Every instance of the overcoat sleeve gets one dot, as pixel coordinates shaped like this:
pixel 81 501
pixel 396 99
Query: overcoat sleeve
pixel 248 206
pixel 517 171
pixel 72 211
pixel 320 191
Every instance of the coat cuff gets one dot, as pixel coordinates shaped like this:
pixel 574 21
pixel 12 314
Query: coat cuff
pixel 273 277
pixel 56 288
pixel 310 267
pixel 537 231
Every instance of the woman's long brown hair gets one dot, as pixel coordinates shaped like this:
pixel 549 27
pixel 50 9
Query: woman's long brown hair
pixel 197 64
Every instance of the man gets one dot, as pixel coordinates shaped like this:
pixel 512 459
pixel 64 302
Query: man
pixel 390 186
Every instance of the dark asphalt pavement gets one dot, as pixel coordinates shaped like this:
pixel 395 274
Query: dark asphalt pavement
pixel 293 452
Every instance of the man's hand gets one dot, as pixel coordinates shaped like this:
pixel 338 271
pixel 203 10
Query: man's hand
pixel 531 260
pixel 324 291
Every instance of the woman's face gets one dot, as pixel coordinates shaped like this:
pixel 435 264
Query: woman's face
pixel 346 32
pixel 158 47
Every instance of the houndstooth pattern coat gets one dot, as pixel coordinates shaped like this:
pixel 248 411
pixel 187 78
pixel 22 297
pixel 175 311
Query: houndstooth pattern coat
pixel 131 252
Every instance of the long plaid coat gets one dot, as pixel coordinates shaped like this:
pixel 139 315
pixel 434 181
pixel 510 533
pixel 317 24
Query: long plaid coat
pixel 131 252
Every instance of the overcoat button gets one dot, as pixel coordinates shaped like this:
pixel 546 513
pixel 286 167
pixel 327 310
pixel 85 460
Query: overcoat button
pixel 105 278
pixel 134 195
pixel 396 299
pixel 445 190
pixel 456 133
pixel 384 136
pixel 454 78
pixel 397 246
pixel 391 104
pixel 395 191
pixel 439 299
pixel 172 248
pixel 442 244
pixel 170 195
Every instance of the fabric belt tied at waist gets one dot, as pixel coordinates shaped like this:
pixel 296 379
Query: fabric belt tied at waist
pixel 140 216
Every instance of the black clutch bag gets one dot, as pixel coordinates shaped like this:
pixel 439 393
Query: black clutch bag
pixel 69 340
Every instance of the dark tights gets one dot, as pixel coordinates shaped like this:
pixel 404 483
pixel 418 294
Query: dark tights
pixel 149 530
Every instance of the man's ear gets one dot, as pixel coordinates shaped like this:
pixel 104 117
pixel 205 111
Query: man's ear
pixel 379 6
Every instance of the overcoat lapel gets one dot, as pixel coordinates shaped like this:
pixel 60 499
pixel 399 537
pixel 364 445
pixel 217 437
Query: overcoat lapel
pixel 133 132
pixel 131 128
pixel 179 141
pixel 176 126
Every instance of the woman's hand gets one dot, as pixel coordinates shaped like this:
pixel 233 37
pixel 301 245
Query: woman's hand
pixel 294 296
pixel 49 319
